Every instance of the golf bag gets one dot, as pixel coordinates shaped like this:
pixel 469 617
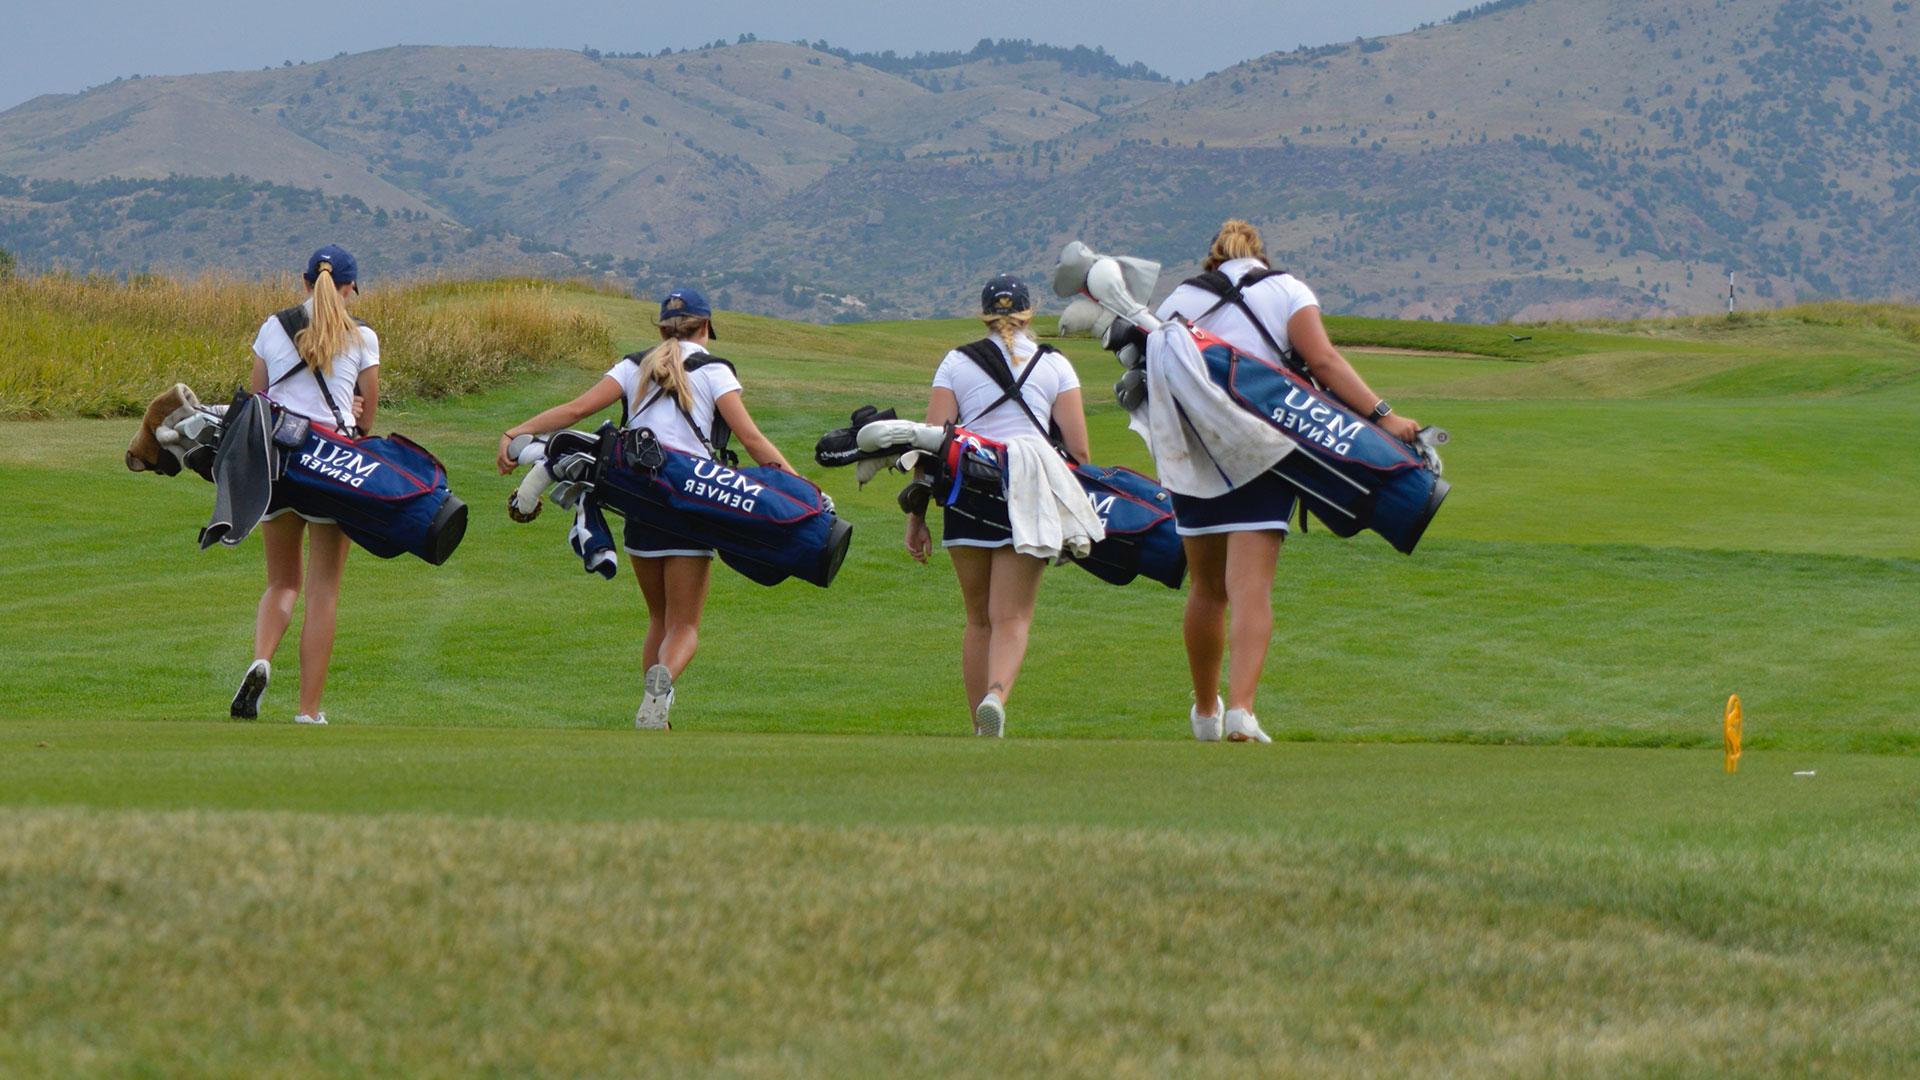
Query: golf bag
pixel 1349 472
pixel 389 494
pixel 767 524
pixel 1137 512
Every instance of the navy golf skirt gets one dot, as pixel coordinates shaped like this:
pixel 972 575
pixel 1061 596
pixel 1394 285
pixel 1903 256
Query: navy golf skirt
pixel 640 538
pixel 1261 505
pixel 976 519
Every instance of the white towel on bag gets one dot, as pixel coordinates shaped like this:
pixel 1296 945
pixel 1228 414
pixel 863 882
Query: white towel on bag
pixel 1204 444
pixel 1048 509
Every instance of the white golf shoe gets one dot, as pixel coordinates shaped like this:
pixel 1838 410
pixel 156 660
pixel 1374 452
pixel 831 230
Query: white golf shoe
pixel 658 700
pixel 990 718
pixel 319 720
pixel 246 700
pixel 1242 727
pixel 1205 728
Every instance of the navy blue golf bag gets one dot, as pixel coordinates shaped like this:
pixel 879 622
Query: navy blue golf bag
pixel 1349 472
pixel 767 524
pixel 1141 540
pixel 389 494
pixel 1138 513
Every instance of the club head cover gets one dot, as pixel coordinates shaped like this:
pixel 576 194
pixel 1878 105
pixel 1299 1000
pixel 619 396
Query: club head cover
pixel 1131 390
pixel 888 434
pixel 523 505
pixel 1082 316
pixel 143 454
pixel 915 496
pixel 1070 274
pixel 867 468
pixel 1140 275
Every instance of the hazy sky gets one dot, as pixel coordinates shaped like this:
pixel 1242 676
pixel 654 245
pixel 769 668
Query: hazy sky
pixel 60 46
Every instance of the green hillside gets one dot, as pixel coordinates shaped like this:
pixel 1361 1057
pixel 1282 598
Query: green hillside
pixel 1553 159
pixel 1493 836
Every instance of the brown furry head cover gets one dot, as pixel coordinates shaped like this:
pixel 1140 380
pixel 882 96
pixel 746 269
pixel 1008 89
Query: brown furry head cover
pixel 143 455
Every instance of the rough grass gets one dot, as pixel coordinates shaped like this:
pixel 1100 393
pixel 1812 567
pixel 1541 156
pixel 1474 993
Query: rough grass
pixel 98 346
pixel 768 907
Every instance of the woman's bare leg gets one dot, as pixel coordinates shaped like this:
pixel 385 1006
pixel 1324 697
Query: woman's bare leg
pixel 685 578
pixel 974 567
pixel 282 539
pixel 326 560
pixel 653 589
pixel 1251 557
pixel 1205 625
pixel 1010 603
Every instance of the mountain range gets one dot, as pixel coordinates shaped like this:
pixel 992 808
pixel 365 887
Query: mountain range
pixel 1526 159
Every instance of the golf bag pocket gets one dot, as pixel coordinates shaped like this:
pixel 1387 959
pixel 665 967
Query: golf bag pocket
pixel 290 431
pixel 766 523
pixel 389 495
pixel 1350 473
pixel 1141 539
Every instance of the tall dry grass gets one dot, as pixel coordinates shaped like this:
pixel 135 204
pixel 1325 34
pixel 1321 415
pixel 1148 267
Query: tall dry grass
pixel 98 346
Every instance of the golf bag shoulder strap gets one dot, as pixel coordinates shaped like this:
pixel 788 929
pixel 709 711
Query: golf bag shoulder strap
pixel 717 439
pixel 293 320
pixel 1232 292
pixel 987 355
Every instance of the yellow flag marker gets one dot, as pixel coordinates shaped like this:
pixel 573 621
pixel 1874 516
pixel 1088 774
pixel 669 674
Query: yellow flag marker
pixel 1733 733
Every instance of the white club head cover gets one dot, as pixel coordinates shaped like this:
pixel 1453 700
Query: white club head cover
pixel 867 468
pixel 1107 283
pixel 1081 316
pixel 886 434
pixel 1070 274
pixel 526 497
pixel 527 449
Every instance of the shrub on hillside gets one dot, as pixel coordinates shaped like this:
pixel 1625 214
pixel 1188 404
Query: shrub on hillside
pixel 97 346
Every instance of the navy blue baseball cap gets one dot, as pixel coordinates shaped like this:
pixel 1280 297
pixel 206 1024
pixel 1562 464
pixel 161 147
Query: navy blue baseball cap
pixel 688 303
pixel 346 271
pixel 1004 295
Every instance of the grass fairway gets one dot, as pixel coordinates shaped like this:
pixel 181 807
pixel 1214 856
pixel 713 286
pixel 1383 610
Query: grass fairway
pixel 1493 840
pixel 455 901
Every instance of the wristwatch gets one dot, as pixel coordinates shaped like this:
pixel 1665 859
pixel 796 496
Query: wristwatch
pixel 1380 410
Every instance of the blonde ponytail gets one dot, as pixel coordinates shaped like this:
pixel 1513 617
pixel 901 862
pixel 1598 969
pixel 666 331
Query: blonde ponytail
pixel 331 331
pixel 665 365
pixel 1236 240
pixel 1006 327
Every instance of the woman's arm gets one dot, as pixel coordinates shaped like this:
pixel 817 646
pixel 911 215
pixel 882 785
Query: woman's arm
pixel 1071 414
pixel 758 446
pixel 258 383
pixel 604 393
pixel 1310 340
pixel 366 392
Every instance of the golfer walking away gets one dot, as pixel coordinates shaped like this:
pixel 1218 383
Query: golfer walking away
pixel 682 392
pixel 317 361
pixel 1233 541
pixel 998 585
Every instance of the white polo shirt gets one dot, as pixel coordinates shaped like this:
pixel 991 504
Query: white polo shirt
pixel 1275 300
pixel 975 389
pixel 709 384
pixel 298 392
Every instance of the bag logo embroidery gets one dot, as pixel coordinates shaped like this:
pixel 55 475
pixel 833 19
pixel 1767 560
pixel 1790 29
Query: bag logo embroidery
pixel 349 467
pixel 1315 420
pixel 716 483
